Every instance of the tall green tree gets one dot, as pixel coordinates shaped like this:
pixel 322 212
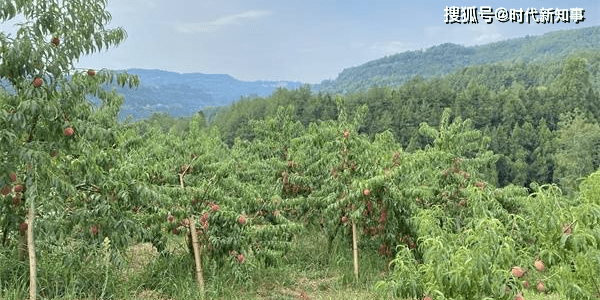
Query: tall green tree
pixel 542 167
pixel 578 149
pixel 573 88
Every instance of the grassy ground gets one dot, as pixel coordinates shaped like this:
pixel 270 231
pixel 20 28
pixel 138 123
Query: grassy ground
pixel 309 271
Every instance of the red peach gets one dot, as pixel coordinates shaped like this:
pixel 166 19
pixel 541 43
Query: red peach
pixel 68 131
pixel 37 82
pixel 539 265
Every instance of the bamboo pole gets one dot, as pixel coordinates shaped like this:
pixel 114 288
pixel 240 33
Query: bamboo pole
pixel 355 250
pixel 32 259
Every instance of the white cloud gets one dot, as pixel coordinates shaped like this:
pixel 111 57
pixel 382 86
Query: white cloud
pixel 389 48
pixel 466 34
pixel 488 38
pixel 220 22
pixel 484 33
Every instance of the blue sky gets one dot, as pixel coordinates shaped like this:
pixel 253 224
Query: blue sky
pixel 308 40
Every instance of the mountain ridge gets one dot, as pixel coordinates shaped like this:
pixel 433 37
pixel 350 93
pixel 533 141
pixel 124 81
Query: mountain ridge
pixel 393 70
pixel 182 94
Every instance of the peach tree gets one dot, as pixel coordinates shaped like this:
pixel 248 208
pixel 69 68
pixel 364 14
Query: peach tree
pixel 343 177
pixel 251 219
pixel 476 242
pixel 233 194
pixel 56 122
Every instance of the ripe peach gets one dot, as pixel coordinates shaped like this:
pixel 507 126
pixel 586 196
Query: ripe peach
pixel 55 41
pixel 214 208
pixel 68 131
pixel 540 287
pixel 539 265
pixel 91 72
pixel 17 200
pixel 519 297
pixel 37 82
pixel 517 271
pixel 241 258
pixel 242 220
pixel 5 190
pixel 366 192
pixel 23 227
pixel 13 177
pixel 204 218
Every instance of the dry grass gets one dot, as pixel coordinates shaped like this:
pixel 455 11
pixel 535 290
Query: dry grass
pixel 138 256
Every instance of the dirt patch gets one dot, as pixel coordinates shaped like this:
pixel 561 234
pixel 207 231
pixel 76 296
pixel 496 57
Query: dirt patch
pixel 305 288
pixel 315 285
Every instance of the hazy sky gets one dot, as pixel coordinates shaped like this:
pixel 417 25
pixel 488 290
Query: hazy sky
pixel 308 40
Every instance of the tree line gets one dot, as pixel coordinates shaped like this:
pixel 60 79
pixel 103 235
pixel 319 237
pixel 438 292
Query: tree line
pixel 542 118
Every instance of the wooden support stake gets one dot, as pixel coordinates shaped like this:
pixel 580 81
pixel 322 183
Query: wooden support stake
pixel 32 259
pixel 196 248
pixel 355 250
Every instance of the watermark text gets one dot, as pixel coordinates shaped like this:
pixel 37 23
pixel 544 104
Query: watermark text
pixel 471 15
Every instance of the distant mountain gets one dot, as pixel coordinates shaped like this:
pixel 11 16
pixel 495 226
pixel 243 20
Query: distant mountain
pixel 446 58
pixel 184 94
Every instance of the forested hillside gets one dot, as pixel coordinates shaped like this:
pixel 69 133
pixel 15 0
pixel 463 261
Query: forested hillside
pixel 396 69
pixel 532 111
